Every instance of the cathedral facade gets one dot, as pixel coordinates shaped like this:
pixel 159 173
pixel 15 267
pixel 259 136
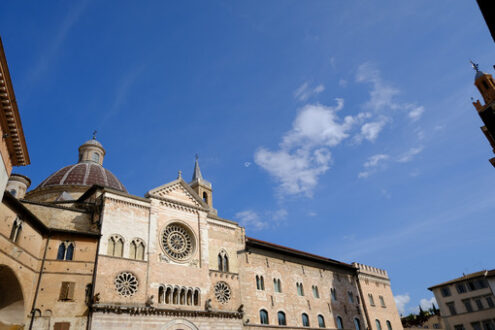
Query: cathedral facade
pixel 80 252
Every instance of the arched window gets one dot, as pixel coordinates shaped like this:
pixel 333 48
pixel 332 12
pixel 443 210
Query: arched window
pixel 263 316
pixel 189 300
pixel 262 282
pixel 258 286
pixel 205 197
pixel 223 261
pixel 168 295
pixel 333 294
pixel 389 325
pixel 61 251
pixel 316 294
pixel 378 325
pixel 321 321
pixel 305 320
pixel 136 249
pixel 70 251
pixel 65 251
pixel 161 295
pixel 176 296
pixel 115 246
pixel 196 297
pixel 340 324
pixel 276 285
pixel 183 296
pixel 96 157
pixel 357 324
pixel 300 289
pixel 281 318
pixel 16 230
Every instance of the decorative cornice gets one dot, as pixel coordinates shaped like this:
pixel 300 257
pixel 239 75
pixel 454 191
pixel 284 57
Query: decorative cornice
pixel 172 203
pixel 140 309
pixel 128 203
pixel 10 118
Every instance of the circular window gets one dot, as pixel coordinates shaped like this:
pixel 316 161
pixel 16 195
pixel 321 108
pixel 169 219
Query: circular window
pixel 126 284
pixel 222 292
pixel 177 241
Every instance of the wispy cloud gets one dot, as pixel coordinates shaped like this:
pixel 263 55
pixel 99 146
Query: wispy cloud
pixel 52 49
pixel 379 161
pixel 305 91
pixel 254 221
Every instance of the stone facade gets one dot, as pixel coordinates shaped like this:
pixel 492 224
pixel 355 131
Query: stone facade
pixel 95 257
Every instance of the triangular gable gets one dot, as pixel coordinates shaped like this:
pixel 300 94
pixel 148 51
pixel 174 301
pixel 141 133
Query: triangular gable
pixel 178 190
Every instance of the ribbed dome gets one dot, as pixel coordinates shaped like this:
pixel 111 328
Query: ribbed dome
pixel 83 174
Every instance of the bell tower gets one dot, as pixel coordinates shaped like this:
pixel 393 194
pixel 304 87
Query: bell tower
pixel 486 86
pixel 201 186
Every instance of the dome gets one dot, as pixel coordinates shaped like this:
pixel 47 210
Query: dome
pixel 88 171
pixel 83 174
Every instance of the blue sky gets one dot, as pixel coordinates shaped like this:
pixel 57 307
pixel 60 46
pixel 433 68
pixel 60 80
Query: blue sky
pixel 343 128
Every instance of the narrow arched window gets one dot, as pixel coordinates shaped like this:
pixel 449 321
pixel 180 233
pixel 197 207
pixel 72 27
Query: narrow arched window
pixel 316 294
pixel 168 295
pixel 140 251
pixel 16 230
pixel 70 251
pixel 196 297
pixel 205 197
pixel 119 248
pixel 61 251
pixel 161 295
pixel 378 325
pixel 281 318
pixel 115 246
pixel 263 316
pixel 262 283
pixel 357 324
pixel 189 297
pixel 389 325
pixel 305 320
pixel 220 262
pixel 225 263
pixel 132 250
pixel 111 246
pixel 300 289
pixel 175 296
pixel 258 286
pixel 183 296
pixel 340 324
pixel 321 321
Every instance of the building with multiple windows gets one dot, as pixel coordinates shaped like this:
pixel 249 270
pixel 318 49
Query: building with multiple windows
pixel 467 302
pixel 79 252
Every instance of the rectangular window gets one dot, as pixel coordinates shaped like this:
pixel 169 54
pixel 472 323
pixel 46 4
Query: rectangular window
pixel 482 284
pixel 489 301
pixel 445 291
pixel 67 291
pixel 333 294
pixel 467 304
pixel 461 288
pixel 61 326
pixel 370 297
pixel 382 301
pixel 488 325
pixel 479 304
pixel 476 326
pixel 451 307
pixel 459 327
pixel 351 297
pixel 471 286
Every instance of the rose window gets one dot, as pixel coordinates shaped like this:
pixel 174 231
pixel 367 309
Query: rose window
pixel 177 242
pixel 222 292
pixel 126 284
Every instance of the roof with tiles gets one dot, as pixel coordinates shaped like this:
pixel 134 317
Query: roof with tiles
pixel 482 273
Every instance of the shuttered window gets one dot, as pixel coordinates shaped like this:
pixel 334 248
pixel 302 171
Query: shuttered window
pixel 67 291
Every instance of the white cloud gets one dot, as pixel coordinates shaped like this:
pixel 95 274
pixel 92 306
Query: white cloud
pixel 304 153
pixel 370 130
pixel 383 94
pixel 401 301
pixel 304 92
pixel 409 155
pixel 249 218
pixel 416 113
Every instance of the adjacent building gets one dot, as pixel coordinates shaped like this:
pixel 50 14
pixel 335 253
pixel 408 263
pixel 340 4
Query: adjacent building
pixel 467 302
